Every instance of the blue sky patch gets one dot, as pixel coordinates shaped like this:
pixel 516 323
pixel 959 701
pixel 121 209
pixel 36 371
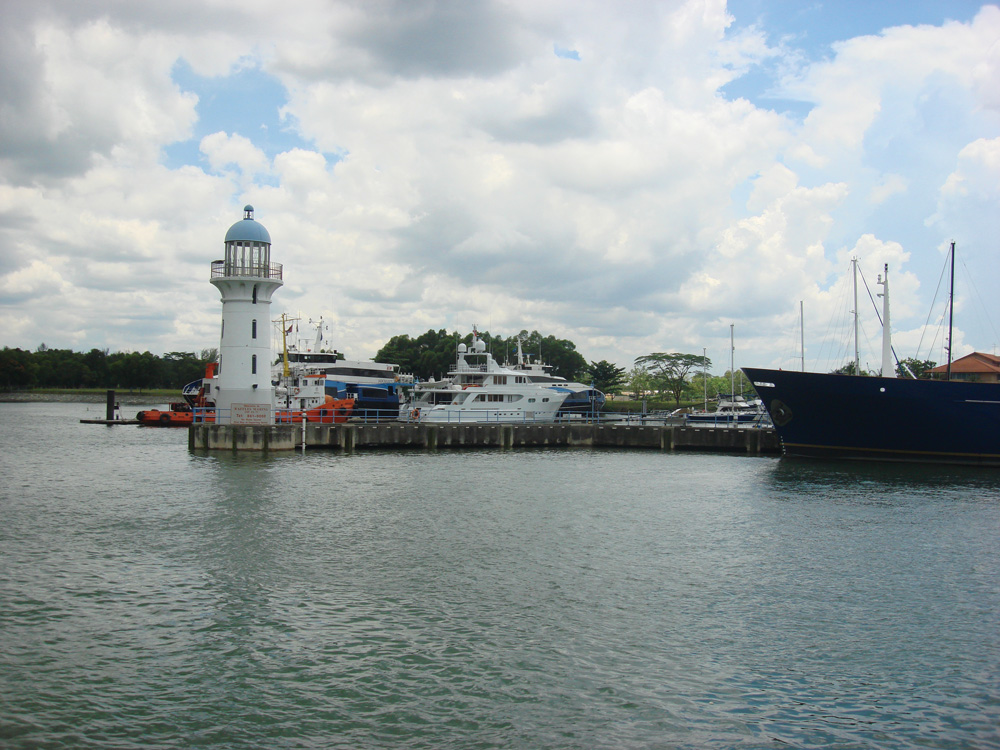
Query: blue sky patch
pixel 811 28
pixel 248 97
pixel 758 87
pixel 566 54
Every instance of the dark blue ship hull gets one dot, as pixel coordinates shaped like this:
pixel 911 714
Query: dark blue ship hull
pixel 377 402
pixel 589 401
pixel 887 419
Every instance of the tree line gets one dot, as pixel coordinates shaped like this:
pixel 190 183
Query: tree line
pixel 63 368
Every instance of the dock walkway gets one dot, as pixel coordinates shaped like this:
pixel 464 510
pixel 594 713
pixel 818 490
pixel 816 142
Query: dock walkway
pixel 351 437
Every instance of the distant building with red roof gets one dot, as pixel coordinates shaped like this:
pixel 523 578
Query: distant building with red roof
pixel 977 367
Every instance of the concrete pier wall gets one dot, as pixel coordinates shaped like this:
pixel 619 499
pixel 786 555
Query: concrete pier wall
pixel 351 437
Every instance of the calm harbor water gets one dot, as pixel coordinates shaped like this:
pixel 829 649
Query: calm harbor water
pixel 155 598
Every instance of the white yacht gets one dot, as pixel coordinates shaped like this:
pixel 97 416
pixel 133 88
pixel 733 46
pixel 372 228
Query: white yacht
pixel 480 390
pixel 733 410
pixel 582 398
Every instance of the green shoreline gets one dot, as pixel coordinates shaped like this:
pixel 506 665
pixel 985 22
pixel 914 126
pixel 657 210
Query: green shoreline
pixel 90 396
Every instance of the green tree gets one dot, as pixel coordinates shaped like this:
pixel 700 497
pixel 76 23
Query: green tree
pixel 96 362
pixel 60 368
pixel 718 385
pixel 559 354
pixel 669 370
pixel 429 355
pixel 639 382
pixel 63 368
pixel 911 367
pixel 607 377
pixel 134 370
pixel 17 369
pixel 177 369
pixel 699 386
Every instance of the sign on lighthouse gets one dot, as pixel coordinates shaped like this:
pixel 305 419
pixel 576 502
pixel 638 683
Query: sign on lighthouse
pixel 246 278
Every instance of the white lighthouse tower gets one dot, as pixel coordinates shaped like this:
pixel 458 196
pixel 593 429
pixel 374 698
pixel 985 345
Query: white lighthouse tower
pixel 246 278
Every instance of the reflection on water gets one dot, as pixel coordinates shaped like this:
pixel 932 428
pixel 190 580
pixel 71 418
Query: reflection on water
pixel 872 478
pixel 154 597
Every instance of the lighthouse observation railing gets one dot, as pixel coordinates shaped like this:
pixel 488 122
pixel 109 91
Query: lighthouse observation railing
pixel 222 268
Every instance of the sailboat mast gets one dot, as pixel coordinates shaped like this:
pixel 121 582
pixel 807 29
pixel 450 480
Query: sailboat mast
pixel 732 361
pixel 888 371
pixel 951 307
pixel 704 373
pixel 857 359
pixel 802 334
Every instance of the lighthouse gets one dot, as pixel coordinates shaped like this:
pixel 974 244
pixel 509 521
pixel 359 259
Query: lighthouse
pixel 246 278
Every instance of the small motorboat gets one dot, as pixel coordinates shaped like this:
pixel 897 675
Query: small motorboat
pixel 179 414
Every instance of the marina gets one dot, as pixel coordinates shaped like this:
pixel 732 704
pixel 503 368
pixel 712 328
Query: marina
pixel 464 459
pixel 483 567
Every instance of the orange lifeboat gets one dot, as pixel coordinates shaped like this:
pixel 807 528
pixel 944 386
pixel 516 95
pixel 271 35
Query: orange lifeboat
pixel 178 415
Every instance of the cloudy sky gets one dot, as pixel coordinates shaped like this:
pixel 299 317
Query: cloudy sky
pixel 634 176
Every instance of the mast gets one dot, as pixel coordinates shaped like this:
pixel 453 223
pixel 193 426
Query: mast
pixel 802 334
pixel 888 371
pixel 732 362
pixel 520 352
pixel 285 320
pixel 951 307
pixel 284 347
pixel 857 359
pixel 319 334
pixel 704 373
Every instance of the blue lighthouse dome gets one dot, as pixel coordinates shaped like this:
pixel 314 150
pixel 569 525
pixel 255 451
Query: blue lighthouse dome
pixel 248 230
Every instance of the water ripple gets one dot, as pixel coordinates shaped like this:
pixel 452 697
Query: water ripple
pixel 528 599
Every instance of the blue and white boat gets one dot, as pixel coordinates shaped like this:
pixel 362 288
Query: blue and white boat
pixel 378 389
